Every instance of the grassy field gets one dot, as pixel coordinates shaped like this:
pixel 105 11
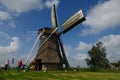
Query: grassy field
pixel 58 75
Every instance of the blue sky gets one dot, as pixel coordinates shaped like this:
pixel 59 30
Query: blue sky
pixel 20 19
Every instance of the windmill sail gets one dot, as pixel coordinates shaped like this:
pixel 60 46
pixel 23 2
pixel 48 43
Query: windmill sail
pixel 54 17
pixel 73 21
pixel 63 54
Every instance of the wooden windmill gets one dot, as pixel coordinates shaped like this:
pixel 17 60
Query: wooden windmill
pixel 51 54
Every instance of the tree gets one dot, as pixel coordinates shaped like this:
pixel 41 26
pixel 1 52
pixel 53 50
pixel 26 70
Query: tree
pixel 98 58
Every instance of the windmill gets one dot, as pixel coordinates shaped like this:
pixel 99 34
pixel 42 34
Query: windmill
pixel 51 54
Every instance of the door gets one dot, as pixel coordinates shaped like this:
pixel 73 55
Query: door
pixel 38 64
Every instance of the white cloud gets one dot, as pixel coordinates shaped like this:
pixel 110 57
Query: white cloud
pixel 12 47
pixel 103 16
pixel 4 38
pixel 14 8
pixel 80 56
pixel 78 59
pixel 3 34
pixel 19 6
pixel 12 24
pixel 83 46
pixel 4 16
pixel 49 3
pixel 68 49
pixel 112 44
pixel 7 52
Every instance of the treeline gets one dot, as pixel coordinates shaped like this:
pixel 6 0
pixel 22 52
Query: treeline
pixel 90 70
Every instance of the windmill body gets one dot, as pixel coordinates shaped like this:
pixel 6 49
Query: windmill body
pixel 49 55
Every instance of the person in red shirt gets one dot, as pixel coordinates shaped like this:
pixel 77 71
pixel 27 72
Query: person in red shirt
pixel 19 65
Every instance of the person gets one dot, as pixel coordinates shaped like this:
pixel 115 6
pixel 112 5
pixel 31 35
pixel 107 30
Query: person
pixel 19 65
pixel 25 68
pixel 7 65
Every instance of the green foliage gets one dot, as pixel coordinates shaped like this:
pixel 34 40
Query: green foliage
pixel 98 60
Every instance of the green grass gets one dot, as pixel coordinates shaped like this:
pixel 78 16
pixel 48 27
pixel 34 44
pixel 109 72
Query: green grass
pixel 58 75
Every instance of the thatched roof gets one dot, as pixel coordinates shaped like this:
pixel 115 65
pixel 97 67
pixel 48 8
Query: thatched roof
pixel 48 30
